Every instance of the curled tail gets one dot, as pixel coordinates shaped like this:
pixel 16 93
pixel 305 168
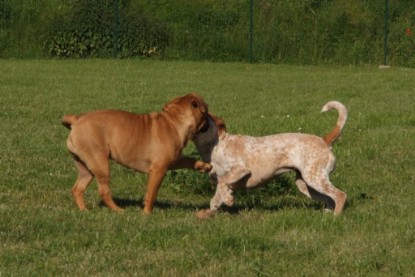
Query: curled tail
pixel 342 110
pixel 69 119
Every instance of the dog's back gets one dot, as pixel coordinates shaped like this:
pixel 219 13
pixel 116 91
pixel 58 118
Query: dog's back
pixel 265 157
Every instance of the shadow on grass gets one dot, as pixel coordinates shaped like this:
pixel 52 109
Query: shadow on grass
pixel 270 198
pixel 164 205
pixel 281 204
pixel 274 207
pixel 294 202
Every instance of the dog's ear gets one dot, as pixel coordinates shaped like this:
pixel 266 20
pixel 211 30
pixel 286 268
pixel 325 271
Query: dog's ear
pixel 197 102
pixel 220 124
pixel 192 99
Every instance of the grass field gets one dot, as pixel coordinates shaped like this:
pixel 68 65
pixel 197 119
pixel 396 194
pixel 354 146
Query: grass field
pixel 272 231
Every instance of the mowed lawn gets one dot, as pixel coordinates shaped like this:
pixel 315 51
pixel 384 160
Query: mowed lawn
pixel 272 231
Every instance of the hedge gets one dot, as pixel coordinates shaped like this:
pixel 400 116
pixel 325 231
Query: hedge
pixel 285 31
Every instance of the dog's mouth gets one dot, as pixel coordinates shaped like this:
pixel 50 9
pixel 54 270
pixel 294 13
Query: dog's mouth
pixel 205 126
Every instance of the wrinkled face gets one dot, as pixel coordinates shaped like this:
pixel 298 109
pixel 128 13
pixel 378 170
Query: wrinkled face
pixel 193 106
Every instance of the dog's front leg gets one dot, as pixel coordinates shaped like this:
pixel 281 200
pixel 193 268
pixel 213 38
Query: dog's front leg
pixel 215 204
pixel 154 179
pixel 225 183
pixel 235 174
pixel 217 199
pixel 225 192
pixel 191 163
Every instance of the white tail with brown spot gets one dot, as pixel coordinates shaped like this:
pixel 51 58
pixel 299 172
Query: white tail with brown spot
pixel 341 121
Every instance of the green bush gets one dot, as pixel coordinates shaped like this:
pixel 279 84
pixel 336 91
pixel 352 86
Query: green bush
pixel 311 32
pixel 401 35
pixel 203 30
pixel 285 31
pixel 22 26
pixel 90 29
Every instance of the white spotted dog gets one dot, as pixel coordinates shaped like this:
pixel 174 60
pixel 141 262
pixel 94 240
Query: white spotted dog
pixel 240 161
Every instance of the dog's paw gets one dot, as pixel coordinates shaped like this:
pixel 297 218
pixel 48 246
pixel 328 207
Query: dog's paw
pixel 228 199
pixel 119 210
pixel 205 214
pixel 203 167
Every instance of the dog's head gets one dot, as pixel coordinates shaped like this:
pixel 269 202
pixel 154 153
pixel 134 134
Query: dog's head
pixel 193 108
pixel 206 139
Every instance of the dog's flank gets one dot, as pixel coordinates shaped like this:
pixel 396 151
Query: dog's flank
pixel 148 143
pixel 240 161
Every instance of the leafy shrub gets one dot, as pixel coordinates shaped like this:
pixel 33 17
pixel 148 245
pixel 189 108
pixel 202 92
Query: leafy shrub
pixel 22 25
pixel 402 35
pixel 285 31
pixel 90 29
pixel 311 32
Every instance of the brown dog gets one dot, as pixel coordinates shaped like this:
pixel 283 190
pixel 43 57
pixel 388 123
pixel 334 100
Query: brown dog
pixel 149 143
pixel 246 162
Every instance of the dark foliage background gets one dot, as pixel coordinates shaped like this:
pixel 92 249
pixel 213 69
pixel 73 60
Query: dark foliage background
pixel 285 31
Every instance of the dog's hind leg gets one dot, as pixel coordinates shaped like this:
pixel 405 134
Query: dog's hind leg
pixel 321 185
pixel 312 193
pixel 302 186
pixel 340 201
pixel 98 164
pixel 84 179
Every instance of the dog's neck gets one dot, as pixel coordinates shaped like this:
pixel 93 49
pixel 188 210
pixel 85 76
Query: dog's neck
pixel 176 119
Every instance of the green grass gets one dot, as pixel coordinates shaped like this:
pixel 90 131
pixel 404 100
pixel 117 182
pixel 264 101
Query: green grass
pixel 272 231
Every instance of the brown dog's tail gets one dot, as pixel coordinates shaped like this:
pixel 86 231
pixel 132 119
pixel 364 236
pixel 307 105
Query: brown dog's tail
pixel 69 119
pixel 341 121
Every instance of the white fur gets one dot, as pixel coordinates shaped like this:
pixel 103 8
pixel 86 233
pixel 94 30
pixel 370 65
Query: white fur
pixel 240 161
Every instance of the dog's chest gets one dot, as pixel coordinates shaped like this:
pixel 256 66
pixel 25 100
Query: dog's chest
pixel 227 153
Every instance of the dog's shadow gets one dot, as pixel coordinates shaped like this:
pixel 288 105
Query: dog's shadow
pixel 278 196
pixel 233 210
pixel 299 202
pixel 163 205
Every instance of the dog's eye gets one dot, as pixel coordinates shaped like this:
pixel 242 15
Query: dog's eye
pixel 194 104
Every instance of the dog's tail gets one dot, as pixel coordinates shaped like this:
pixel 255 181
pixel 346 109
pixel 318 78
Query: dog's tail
pixel 69 119
pixel 341 121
